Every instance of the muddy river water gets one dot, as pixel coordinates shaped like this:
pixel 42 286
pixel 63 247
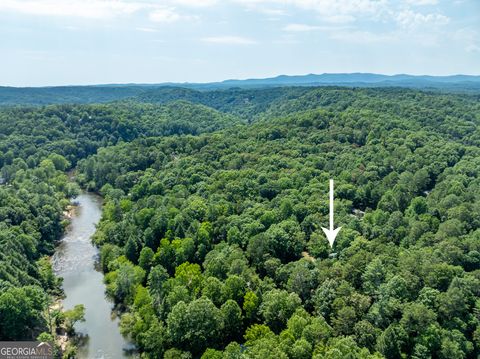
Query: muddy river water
pixel 76 260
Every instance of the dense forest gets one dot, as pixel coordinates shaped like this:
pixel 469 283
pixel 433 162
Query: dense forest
pixel 211 239
pixel 113 92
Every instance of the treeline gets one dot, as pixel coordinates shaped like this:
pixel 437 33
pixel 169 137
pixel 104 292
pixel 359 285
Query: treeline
pixel 31 206
pixel 213 245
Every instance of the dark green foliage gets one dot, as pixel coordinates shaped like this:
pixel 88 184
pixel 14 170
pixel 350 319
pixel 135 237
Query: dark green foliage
pixel 76 131
pixel 31 205
pixel 213 244
pixel 196 325
pixel 247 204
pixel 21 310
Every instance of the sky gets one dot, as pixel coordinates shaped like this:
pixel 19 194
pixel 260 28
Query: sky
pixel 77 42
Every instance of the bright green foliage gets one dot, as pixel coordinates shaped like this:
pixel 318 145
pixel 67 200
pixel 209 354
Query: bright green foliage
pixel 246 205
pixel 212 242
pixel 31 205
pixel 277 307
pixel 195 326
pixel 20 310
pixel 73 316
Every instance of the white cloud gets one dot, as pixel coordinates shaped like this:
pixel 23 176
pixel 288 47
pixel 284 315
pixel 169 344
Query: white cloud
pixel 411 20
pixel 469 38
pixel 273 12
pixel 266 8
pixel 344 33
pixel 194 3
pixel 268 11
pixel 362 37
pixel 308 28
pixel 158 11
pixel 473 48
pixel 337 11
pixel 165 15
pixel 340 19
pixel 349 11
pixel 146 29
pixel 71 28
pixel 287 39
pixel 300 28
pixel 229 40
pixel 466 35
pixel 421 2
pixel 94 9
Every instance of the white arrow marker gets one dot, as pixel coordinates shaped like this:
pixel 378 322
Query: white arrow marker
pixel 331 233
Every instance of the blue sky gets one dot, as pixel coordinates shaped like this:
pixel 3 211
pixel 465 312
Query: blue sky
pixel 57 42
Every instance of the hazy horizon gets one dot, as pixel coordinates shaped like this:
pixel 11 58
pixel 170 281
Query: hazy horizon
pixel 235 79
pixel 86 42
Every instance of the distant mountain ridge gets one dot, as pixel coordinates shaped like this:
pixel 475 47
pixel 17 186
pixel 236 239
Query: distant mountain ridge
pixel 358 77
pixel 113 92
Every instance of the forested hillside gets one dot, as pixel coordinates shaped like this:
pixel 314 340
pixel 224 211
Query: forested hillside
pixel 211 238
pixel 247 104
pixel 115 92
pixel 66 94
pixel 37 146
pixel 31 206
pixel 213 243
pixel 76 131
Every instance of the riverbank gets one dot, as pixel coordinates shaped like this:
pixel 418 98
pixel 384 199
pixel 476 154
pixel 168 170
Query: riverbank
pixel 64 342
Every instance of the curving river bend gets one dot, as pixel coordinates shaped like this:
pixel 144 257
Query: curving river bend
pixel 75 260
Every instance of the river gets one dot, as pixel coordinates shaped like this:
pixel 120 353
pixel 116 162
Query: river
pixel 75 260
